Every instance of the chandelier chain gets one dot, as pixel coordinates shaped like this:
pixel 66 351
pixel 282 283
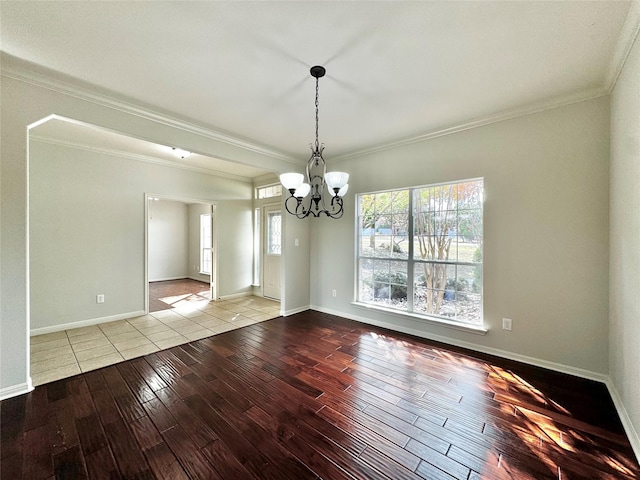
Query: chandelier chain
pixel 317 103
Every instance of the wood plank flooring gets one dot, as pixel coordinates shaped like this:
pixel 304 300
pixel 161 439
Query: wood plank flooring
pixel 171 293
pixel 315 396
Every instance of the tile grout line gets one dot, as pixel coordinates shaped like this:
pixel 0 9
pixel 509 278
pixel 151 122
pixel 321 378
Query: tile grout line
pixel 227 325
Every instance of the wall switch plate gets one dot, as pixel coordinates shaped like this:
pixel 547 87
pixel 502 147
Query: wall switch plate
pixel 100 298
pixel 506 323
pixel 296 242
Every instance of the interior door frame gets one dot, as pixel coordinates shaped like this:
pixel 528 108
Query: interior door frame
pixel 214 276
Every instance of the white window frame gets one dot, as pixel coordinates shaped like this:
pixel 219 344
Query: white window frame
pixel 269 191
pixel 412 262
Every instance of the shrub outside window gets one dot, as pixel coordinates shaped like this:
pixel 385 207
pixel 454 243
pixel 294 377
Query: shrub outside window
pixel 420 250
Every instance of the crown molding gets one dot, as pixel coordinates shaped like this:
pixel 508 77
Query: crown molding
pixel 26 72
pixel 137 157
pixel 266 179
pixel 482 121
pixel 627 37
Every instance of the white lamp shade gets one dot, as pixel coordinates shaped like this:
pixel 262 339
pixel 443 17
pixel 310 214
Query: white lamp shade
pixel 291 181
pixel 302 191
pixel 336 179
pixel 341 192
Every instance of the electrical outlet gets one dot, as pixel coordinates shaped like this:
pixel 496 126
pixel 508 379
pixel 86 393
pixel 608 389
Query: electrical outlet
pixel 334 293
pixel 506 323
pixel 100 298
pixel 296 242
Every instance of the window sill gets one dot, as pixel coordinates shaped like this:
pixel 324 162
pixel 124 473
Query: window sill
pixel 478 330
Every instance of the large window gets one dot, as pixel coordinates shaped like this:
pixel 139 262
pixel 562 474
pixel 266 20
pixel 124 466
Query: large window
pixel 420 250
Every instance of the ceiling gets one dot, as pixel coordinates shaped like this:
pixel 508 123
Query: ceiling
pixel 79 135
pixel 395 70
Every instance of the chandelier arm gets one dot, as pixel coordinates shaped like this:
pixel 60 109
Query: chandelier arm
pixel 333 213
pixel 300 214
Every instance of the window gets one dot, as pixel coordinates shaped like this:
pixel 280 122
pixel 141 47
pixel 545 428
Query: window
pixel 274 233
pixel 420 251
pixel 205 244
pixel 269 191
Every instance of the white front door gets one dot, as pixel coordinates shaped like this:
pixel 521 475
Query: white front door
pixel 272 228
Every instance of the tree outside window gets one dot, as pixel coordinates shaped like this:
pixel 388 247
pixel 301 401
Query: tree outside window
pixel 430 235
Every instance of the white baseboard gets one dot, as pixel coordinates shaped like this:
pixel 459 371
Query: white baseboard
pixel 632 433
pixel 236 295
pixel 558 367
pixel 167 279
pixel 293 311
pixel 191 277
pixel 85 323
pixel 15 390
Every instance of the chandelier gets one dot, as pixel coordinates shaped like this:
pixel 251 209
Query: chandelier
pixel 299 203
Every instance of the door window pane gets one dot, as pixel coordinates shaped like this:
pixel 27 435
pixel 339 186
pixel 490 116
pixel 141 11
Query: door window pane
pixel 274 233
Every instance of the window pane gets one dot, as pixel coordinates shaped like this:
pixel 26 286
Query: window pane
pixel 206 261
pixel 470 224
pixel 367 242
pixel 470 194
pixel 269 191
pixel 366 270
pixel 205 243
pixel 365 294
pixel 390 283
pixel 435 247
pixel 469 310
pixel 274 227
pixel 400 201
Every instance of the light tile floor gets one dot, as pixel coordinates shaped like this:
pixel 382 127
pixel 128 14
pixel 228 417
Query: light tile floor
pixel 69 352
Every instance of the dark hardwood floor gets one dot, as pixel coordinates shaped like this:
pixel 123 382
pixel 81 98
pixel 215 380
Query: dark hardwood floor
pixel 315 396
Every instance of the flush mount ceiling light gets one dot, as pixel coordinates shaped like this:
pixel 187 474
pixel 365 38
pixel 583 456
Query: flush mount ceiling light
pixel 178 152
pixel 317 178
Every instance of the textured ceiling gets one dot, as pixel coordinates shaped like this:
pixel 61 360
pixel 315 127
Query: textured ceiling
pixel 394 69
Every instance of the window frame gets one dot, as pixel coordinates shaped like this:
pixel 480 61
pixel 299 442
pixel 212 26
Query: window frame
pixel 265 192
pixel 412 262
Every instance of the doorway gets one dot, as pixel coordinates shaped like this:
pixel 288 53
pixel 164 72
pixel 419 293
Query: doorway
pixel 272 251
pixel 181 244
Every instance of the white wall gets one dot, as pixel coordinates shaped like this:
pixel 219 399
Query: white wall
pixel 168 240
pixel 29 94
pixel 545 231
pixel 235 248
pixel 296 267
pixel 624 270
pixel 87 231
